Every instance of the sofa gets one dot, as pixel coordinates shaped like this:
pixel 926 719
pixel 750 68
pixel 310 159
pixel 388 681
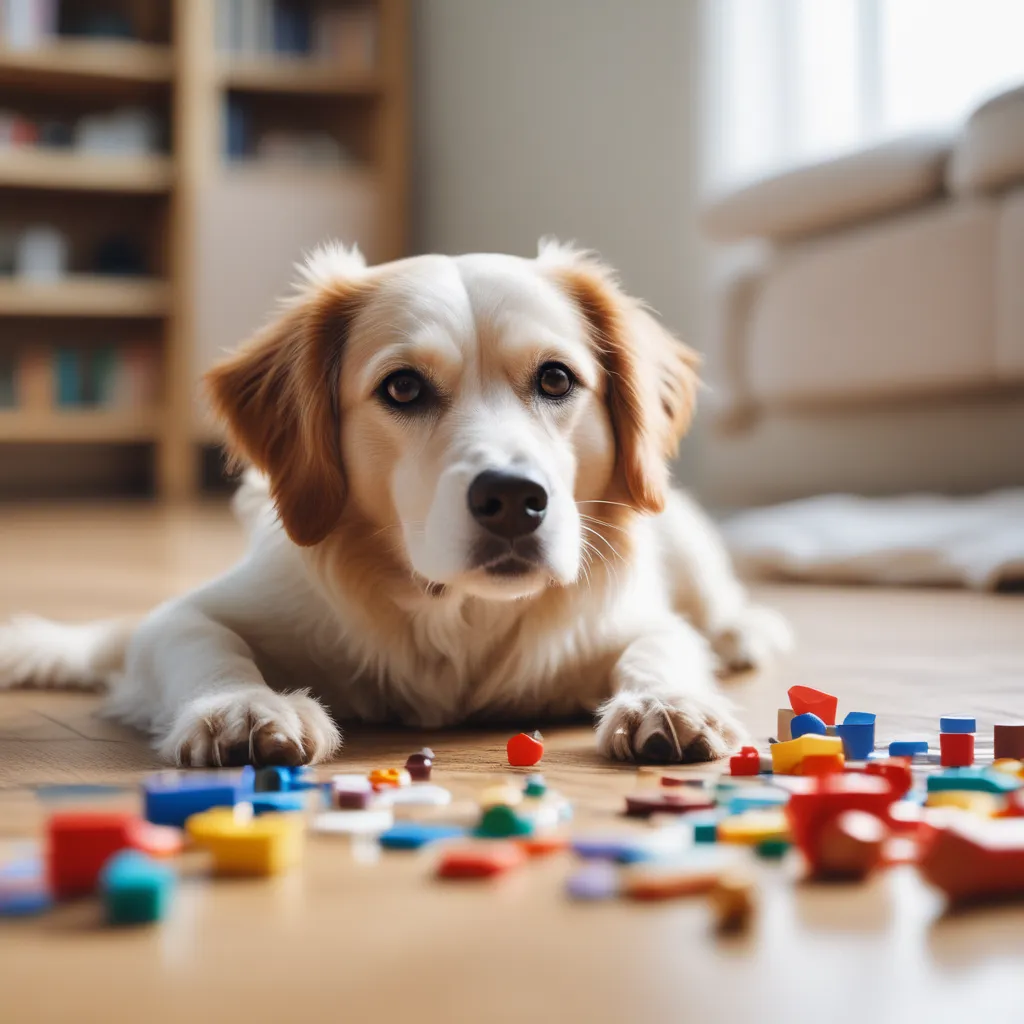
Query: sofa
pixel 869 333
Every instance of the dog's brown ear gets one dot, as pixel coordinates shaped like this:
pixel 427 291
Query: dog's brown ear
pixel 652 376
pixel 278 397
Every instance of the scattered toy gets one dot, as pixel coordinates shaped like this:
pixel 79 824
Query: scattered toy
pixel 502 822
pixel 419 765
pixel 807 724
pixel 1009 740
pixel 410 835
pixel 746 762
pixel 849 845
pixel 266 845
pixel 805 699
pixel 381 777
pixel 135 888
pixel 480 859
pixel 732 902
pixel 525 750
pixel 172 797
pixel 598 880
pixel 956 749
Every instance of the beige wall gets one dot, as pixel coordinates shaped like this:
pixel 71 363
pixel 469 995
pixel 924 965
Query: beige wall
pixel 568 117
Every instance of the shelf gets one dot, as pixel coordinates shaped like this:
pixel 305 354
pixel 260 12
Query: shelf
pixel 85 295
pixel 295 75
pixel 81 426
pixel 68 62
pixel 68 170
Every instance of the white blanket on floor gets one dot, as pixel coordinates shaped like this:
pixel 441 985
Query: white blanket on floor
pixel 921 538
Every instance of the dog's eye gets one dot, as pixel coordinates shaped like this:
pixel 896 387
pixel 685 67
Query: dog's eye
pixel 403 388
pixel 555 380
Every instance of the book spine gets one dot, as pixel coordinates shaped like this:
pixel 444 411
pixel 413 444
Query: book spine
pixel 35 379
pixel 8 392
pixel 68 377
pixel 103 367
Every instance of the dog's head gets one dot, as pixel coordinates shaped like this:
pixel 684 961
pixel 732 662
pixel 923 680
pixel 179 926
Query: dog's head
pixel 488 412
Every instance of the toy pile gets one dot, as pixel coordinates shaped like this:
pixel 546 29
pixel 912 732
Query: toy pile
pixel 822 790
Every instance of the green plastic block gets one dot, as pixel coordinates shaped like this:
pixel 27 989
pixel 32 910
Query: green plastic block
pixel 975 780
pixel 135 888
pixel 705 832
pixel 535 786
pixel 500 822
pixel 773 849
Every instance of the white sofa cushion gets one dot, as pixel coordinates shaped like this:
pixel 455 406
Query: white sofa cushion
pixel 895 308
pixel 990 151
pixel 809 200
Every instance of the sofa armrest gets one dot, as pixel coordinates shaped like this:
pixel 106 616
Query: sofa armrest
pixel 989 154
pixel 809 200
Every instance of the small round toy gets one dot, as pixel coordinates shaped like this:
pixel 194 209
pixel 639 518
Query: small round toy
pixel 525 749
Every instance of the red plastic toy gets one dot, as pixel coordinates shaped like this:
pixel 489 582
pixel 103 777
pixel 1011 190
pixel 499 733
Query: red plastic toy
pixel 525 749
pixel 79 844
pixel 973 860
pixel 480 860
pixel 806 700
pixel 956 749
pixel 746 762
pixel 896 771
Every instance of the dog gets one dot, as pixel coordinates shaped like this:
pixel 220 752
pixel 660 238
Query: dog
pixel 459 510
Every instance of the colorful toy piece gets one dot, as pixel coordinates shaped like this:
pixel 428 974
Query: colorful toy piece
pixel 754 827
pixel 658 881
pixel 979 780
pixel 410 835
pixel 821 764
pixel 272 802
pixel 732 902
pixel 420 764
pixel 857 731
pixel 971 859
pixel 525 750
pixel 135 888
pixel 1009 740
pixel 23 890
pixel 908 748
pixel 807 724
pixel 272 780
pixel 351 792
pixel 746 762
pixel 667 801
pixel 984 805
pixel 788 756
pixel 172 797
pixel 535 786
pixel 896 771
pixel 807 700
pixel 957 723
pixel 382 777
pixel 480 860
pixel 598 880
pixel 266 845
pixel 849 845
pixel 78 844
pixel 956 749
pixel 502 822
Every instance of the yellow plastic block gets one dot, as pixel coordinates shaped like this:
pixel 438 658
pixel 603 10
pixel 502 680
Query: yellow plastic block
pixel 753 827
pixel 266 845
pixel 985 805
pixel 508 796
pixel 786 757
pixel 1009 766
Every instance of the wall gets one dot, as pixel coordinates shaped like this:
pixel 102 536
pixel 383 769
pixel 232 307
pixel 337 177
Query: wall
pixel 576 118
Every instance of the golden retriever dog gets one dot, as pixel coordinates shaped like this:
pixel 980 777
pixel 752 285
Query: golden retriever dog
pixel 459 511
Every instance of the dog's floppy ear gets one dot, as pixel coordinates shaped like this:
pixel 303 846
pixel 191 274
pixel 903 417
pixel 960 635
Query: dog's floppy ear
pixel 278 395
pixel 652 376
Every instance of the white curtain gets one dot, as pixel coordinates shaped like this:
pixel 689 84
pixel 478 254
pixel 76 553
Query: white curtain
pixel 792 81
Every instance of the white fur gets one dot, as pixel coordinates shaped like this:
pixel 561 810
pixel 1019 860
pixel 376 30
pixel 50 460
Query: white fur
pixel 216 672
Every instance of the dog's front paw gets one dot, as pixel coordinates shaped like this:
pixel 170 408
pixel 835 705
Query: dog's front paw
pixel 251 727
pixel 756 637
pixel 636 726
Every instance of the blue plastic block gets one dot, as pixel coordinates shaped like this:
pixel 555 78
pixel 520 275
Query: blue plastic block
pixel 272 780
pixel 801 725
pixel 608 848
pixel 907 748
pixel 858 739
pixel 957 723
pixel 411 835
pixel 264 803
pixel 756 800
pixel 23 889
pixel 170 798
pixel 978 780
pixel 135 888
pixel 859 718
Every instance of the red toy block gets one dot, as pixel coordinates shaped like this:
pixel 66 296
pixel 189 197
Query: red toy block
pixel 668 801
pixel 525 750
pixel 806 700
pixel 480 860
pixel 956 749
pixel 896 771
pixel 1009 741
pixel 850 845
pixel 746 762
pixel 974 859
pixel 809 811
pixel 79 844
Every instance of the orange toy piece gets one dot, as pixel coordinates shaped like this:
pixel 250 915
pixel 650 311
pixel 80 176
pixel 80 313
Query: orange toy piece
pixel 525 749
pixel 746 762
pixel 821 764
pixel 806 700
pixel 381 777
pixel 974 859
pixel 850 845
pixel 810 811
pixel 667 881
pixel 543 844
pixel 896 771
pixel 480 860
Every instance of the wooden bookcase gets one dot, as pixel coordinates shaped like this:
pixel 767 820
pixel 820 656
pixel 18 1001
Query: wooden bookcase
pixel 221 236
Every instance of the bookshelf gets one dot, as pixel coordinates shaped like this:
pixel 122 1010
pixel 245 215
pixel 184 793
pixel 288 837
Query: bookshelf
pixel 213 220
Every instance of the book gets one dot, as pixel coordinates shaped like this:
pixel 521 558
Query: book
pixel 68 377
pixel 35 388
pixel 8 394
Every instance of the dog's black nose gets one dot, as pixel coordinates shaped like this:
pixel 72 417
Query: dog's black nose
pixel 507 504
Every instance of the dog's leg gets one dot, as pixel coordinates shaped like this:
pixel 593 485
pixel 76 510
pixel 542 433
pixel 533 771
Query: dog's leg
pixel 705 589
pixel 195 684
pixel 664 705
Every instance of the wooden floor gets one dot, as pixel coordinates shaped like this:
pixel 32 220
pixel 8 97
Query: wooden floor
pixel 350 937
